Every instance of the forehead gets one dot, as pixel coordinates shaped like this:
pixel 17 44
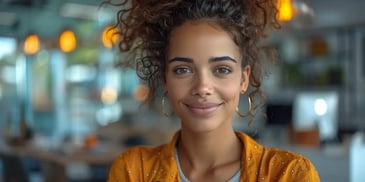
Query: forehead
pixel 201 37
pixel 198 28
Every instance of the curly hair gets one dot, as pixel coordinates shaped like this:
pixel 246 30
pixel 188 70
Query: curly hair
pixel 145 27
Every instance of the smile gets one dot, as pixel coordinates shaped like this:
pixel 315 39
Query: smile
pixel 203 109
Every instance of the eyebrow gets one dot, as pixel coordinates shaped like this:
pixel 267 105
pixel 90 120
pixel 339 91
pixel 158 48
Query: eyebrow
pixel 222 58
pixel 213 59
pixel 182 59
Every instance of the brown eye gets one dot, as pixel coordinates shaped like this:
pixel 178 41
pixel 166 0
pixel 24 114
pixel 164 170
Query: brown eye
pixel 223 70
pixel 182 70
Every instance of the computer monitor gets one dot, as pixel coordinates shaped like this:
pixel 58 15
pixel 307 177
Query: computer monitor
pixel 279 114
pixel 317 109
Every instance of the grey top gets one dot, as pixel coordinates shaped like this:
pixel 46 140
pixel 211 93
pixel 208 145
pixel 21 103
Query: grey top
pixel 235 177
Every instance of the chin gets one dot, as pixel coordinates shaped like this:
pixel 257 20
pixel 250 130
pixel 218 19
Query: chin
pixel 201 125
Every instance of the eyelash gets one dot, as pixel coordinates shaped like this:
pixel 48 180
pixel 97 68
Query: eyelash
pixel 182 70
pixel 223 70
pixel 218 70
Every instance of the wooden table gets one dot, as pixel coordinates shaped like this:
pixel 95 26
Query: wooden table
pixel 54 163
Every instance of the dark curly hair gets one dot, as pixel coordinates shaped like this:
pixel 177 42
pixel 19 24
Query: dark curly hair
pixel 145 27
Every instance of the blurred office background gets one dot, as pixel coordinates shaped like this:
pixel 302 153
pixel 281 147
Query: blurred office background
pixel 66 110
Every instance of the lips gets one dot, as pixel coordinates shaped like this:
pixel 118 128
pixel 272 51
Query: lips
pixel 203 109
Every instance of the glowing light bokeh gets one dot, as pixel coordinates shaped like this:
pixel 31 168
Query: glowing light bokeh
pixel 320 107
pixel 286 10
pixel 110 36
pixel 31 44
pixel 109 95
pixel 67 41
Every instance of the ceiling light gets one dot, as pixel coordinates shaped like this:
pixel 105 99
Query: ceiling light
pixel 31 44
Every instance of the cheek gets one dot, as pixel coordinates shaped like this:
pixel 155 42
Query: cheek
pixel 174 98
pixel 231 93
pixel 174 95
pixel 175 90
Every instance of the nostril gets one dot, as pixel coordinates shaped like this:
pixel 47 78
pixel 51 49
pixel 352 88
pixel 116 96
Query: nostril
pixel 202 91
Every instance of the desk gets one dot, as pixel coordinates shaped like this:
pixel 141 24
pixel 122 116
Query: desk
pixel 54 163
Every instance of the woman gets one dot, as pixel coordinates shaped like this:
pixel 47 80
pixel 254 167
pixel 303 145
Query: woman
pixel 204 55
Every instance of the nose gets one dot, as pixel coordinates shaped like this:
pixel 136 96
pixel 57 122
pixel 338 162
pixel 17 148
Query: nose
pixel 202 85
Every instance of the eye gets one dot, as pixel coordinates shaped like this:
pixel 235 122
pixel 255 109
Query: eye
pixel 182 70
pixel 223 70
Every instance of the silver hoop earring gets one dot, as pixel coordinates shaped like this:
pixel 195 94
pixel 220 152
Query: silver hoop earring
pixel 249 108
pixel 163 107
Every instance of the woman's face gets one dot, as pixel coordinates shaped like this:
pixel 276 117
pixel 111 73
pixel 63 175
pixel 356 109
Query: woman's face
pixel 204 77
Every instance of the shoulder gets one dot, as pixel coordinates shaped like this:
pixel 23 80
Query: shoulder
pixel 129 164
pixel 141 153
pixel 274 163
pixel 273 158
pixel 288 166
pixel 280 154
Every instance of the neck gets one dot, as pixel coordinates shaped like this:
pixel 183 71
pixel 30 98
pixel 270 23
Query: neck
pixel 210 149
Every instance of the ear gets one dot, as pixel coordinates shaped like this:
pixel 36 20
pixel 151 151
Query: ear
pixel 245 78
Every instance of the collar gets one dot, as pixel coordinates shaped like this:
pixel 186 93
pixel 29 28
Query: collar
pixel 250 159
